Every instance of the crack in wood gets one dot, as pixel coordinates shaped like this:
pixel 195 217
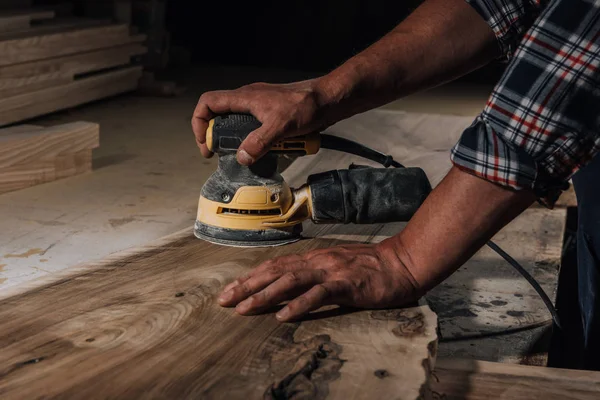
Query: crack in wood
pixel 318 364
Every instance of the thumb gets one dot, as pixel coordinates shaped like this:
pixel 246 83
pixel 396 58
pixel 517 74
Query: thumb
pixel 256 145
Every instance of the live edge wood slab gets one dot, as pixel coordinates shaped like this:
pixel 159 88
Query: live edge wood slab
pixel 145 324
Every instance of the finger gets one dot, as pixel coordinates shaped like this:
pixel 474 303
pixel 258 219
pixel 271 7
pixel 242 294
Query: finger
pixel 256 145
pixel 238 281
pixel 206 153
pixel 202 114
pixel 276 266
pixel 318 296
pixel 247 288
pixel 286 287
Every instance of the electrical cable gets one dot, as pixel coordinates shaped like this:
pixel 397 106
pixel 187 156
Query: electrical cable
pixel 348 146
pixel 332 142
pixel 536 286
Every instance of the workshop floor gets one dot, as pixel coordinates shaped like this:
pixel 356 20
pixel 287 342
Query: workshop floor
pixel 146 179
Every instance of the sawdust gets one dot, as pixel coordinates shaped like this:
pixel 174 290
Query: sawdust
pixel 28 253
pixel 2 280
pixel 43 259
pixel 49 223
pixel 2 267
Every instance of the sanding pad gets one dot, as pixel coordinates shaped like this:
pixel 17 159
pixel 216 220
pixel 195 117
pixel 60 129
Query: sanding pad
pixel 247 238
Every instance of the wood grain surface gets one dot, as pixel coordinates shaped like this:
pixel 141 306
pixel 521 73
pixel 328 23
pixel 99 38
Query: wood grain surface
pixel 54 42
pixel 42 74
pixel 457 379
pixel 146 325
pixel 31 155
pixel 29 105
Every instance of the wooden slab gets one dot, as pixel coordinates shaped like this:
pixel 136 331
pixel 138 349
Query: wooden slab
pixel 145 324
pixel 64 41
pixel 31 155
pixel 21 19
pixel 29 105
pixel 479 380
pixel 37 75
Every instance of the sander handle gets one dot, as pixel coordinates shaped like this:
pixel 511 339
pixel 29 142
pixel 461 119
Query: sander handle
pixel 226 132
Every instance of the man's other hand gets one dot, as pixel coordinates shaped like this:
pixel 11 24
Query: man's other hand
pixel 364 276
pixel 284 110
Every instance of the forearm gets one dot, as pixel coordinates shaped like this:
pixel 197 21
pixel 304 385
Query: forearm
pixel 457 218
pixel 440 41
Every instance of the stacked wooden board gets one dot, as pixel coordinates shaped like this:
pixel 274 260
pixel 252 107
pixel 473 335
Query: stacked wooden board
pixel 30 154
pixel 457 379
pixel 62 63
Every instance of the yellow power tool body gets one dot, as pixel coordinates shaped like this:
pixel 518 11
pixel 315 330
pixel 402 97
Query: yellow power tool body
pixel 254 206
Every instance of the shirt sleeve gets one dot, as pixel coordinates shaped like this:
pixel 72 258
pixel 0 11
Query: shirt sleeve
pixel 542 120
pixel 509 19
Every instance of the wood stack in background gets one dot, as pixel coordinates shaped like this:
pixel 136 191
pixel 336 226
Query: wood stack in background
pixel 31 154
pixel 49 63
pixel 62 62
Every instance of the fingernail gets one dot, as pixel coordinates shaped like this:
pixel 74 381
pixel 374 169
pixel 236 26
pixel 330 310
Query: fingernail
pixel 242 308
pixel 283 314
pixel 230 286
pixel 225 297
pixel 244 158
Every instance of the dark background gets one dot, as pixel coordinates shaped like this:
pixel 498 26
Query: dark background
pixel 315 35
pixel 306 35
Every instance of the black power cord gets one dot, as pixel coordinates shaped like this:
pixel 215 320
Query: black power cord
pixel 332 142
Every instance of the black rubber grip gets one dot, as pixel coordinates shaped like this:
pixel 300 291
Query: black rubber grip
pixel 367 195
pixel 230 130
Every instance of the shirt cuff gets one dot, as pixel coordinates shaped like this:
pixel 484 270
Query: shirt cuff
pixel 509 20
pixel 482 152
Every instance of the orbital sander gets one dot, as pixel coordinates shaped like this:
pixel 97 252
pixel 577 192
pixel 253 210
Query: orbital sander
pixel 249 206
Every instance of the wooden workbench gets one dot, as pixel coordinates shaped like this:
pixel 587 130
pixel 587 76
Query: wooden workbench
pixel 119 320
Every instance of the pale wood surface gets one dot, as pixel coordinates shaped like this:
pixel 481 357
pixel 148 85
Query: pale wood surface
pixel 480 380
pixel 31 155
pixel 37 75
pixel 28 105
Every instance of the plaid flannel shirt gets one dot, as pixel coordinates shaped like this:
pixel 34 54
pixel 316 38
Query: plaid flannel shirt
pixel 542 120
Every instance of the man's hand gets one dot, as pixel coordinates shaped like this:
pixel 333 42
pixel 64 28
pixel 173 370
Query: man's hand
pixel 364 276
pixel 439 41
pixel 284 110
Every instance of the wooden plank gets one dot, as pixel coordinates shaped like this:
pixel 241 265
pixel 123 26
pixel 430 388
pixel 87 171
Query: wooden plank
pixel 29 105
pixel 21 19
pixel 34 173
pixel 69 41
pixel 480 380
pixel 146 323
pixel 66 165
pixel 37 75
pixel 31 155
pixel 47 143
pixel 19 177
pixel 56 25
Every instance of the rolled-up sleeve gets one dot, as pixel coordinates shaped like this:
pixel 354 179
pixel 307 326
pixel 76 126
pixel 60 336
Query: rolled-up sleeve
pixel 542 120
pixel 509 19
